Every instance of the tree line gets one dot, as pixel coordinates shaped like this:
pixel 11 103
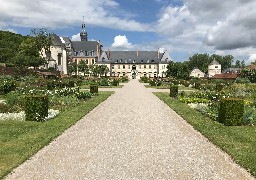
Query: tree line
pixel 182 70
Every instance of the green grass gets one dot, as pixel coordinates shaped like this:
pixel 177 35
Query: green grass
pixel 181 88
pixel 20 140
pixel 238 141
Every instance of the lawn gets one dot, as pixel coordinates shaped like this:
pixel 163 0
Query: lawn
pixel 19 140
pixel 238 141
pixel 181 88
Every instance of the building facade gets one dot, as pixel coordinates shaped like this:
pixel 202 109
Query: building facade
pixel 57 57
pixel 214 68
pixel 197 73
pixel 135 64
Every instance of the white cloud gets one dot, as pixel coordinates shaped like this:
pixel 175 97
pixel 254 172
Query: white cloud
pixel 252 58
pixel 59 14
pixel 76 37
pixel 212 26
pixel 121 42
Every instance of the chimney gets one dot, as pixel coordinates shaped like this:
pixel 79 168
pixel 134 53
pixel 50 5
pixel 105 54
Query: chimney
pixel 108 54
pixel 137 52
pixel 158 53
pixel 98 51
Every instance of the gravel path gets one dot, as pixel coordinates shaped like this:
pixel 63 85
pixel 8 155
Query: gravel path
pixel 132 135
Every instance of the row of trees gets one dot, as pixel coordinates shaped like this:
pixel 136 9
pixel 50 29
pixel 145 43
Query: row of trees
pixel 182 70
pixel 24 51
pixel 88 70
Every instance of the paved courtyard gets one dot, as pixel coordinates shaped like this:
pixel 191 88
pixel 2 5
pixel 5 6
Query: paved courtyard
pixel 132 135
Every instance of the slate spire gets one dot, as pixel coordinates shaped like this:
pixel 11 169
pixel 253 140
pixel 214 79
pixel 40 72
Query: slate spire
pixel 83 34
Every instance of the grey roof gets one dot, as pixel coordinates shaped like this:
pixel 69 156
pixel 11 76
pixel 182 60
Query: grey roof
pixel 85 46
pixel 214 62
pixel 56 41
pixel 232 70
pixel 122 57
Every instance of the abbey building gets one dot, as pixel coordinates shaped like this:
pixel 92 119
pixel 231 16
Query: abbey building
pixel 134 64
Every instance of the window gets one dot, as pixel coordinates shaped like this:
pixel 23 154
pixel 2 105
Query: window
pixel 139 66
pixel 113 66
pixel 149 66
pixel 123 66
pixel 133 61
pixel 129 66
pixel 87 61
pixel 59 58
pixel 123 73
pixel 145 66
pixel 92 61
pixel 152 60
pixel 118 66
pixel 141 61
pixel 154 66
pixel 121 60
pixel 216 66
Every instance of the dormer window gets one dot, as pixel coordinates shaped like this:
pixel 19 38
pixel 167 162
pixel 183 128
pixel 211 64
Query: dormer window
pixel 121 60
pixel 152 60
pixel 117 61
pixel 133 61
pixel 141 61
pixel 103 59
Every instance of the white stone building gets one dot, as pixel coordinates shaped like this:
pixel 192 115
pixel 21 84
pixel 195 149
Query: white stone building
pixel 135 64
pixel 197 73
pixel 214 68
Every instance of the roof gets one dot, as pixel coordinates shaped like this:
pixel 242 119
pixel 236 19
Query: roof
pixel 85 46
pixel 129 57
pixel 232 70
pixel 226 76
pixel 56 41
pixel 214 62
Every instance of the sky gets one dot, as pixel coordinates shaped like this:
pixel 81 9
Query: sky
pixel 182 27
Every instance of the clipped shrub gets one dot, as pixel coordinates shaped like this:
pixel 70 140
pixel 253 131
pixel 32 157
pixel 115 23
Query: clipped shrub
pixel 231 111
pixel 93 88
pixel 115 82
pixel 103 82
pixel 7 86
pixel 36 108
pixel 124 79
pixel 152 83
pixel 173 91
pixel 144 79
pixel 197 85
pixel 219 87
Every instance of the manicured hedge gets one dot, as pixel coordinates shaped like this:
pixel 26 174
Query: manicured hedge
pixel 231 112
pixel 173 91
pixel 93 88
pixel 36 108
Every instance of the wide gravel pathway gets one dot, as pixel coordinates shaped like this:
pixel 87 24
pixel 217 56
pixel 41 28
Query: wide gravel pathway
pixel 132 135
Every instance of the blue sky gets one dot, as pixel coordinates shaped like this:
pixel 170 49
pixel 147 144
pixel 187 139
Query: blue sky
pixel 183 27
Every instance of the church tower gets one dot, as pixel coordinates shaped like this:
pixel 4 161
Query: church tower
pixel 83 34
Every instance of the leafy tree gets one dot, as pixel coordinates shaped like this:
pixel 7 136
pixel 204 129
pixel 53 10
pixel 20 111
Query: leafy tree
pixel 83 67
pixel 178 70
pixel 103 70
pixel 9 45
pixel 72 68
pixel 238 64
pixel 94 70
pixel 250 74
pixel 200 61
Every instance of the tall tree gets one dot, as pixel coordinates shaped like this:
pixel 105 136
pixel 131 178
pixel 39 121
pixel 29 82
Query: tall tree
pixel 83 67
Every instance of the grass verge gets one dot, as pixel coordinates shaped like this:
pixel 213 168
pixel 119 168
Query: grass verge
pixel 19 140
pixel 181 88
pixel 238 141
